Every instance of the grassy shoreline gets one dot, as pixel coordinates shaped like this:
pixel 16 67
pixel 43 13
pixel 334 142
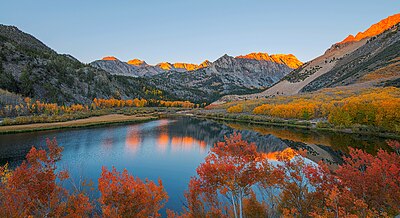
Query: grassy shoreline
pixel 299 126
pixel 110 119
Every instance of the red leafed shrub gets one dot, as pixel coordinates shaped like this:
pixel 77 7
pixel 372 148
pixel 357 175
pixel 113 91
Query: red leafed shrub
pixel 122 195
pixel 32 189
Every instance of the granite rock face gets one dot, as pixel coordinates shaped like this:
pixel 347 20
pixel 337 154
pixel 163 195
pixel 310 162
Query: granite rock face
pixel 225 76
pixel 209 80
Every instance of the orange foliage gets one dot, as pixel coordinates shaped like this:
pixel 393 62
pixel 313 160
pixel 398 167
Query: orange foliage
pixel 297 109
pixel 253 208
pixel 235 109
pixel 184 104
pixel 231 169
pixel 112 103
pixel 374 180
pixel 379 107
pixel 32 189
pixel 122 195
pixel 38 107
pixel 364 186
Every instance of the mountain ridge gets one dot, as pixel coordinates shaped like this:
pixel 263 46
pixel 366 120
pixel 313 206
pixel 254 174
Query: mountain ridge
pixel 374 29
pixel 370 61
pixel 287 59
pixel 138 67
pixel 30 68
pixel 226 75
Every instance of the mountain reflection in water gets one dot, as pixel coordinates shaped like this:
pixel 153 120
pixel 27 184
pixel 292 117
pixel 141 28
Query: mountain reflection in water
pixel 172 149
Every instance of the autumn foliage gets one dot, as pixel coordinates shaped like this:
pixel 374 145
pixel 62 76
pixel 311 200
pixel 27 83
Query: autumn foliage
pixel 234 181
pixel 364 186
pixel 297 109
pixel 235 109
pixel 373 180
pixel 28 106
pixel 184 104
pixel 378 107
pixel 122 195
pixel 35 189
pixel 113 103
pixel 231 169
pixel 32 188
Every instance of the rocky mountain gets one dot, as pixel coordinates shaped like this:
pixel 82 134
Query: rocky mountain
pixel 132 68
pixel 30 68
pixel 209 80
pixel 371 58
pixel 139 68
pixel 136 62
pixel 180 66
pixel 227 75
pixel 374 63
pixel 375 29
pixel 289 60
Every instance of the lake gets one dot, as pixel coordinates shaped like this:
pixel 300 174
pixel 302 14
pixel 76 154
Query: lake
pixel 171 149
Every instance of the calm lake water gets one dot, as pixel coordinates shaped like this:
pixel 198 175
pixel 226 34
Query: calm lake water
pixel 171 149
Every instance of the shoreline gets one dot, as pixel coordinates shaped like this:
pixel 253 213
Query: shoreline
pixel 308 127
pixel 102 120
pixel 111 119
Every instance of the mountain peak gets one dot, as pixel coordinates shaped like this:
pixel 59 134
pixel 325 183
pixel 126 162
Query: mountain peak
pixel 183 66
pixel 165 65
pixel 375 29
pixel 109 58
pixel 288 59
pixel 186 66
pixel 224 58
pixel 136 62
pixel 205 63
pixel 256 56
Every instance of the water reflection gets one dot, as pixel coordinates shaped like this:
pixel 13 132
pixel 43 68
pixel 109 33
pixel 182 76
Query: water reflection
pixel 273 156
pixel 172 149
pixel 132 141
pixel 163 141
pixel 187 143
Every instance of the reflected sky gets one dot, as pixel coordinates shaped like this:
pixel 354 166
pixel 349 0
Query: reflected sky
pixel 167 149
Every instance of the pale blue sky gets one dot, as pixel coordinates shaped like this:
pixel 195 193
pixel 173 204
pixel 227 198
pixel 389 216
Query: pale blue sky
pixel 189 30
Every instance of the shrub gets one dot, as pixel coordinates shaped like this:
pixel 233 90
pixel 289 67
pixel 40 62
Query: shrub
pixel 235 109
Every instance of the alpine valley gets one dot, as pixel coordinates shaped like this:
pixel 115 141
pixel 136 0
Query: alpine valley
pixel 240 136
pixel 30 68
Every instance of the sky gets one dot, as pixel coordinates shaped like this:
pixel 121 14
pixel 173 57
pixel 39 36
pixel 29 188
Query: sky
pixel 192 30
